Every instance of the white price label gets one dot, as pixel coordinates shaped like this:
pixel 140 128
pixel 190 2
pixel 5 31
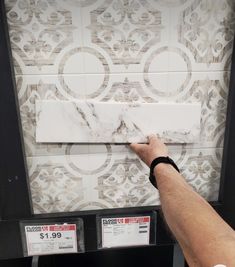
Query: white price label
pixel 125 231
pixel 51 239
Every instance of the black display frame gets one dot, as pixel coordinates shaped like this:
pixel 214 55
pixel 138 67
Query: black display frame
pixel 15 202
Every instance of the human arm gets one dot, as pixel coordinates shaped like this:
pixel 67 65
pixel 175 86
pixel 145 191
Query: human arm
pixel 206 240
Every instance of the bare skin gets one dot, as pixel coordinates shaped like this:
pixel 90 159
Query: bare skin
pixel 206 240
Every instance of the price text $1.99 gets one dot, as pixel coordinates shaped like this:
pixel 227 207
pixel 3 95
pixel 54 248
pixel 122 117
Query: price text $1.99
pixel 50 235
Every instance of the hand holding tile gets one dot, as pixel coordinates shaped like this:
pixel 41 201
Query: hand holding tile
pixel 148 152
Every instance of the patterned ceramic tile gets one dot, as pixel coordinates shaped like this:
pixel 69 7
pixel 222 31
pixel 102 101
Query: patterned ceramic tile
pixel 201 168
pixel 125 51
pixel 211 90
pixel 93 181
pixel 122 34
pixel 125 183
pixel 41 31
pixel 129 87
pixel 204 29
pixel 55 187
pixel 124 31
pixel 112 180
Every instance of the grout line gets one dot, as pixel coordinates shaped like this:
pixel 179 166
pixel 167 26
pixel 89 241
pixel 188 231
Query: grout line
pixel 121 152
pixel 118 73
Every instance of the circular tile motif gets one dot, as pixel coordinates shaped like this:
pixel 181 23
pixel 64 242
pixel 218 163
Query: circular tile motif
pixel 161 62
pixel 78 61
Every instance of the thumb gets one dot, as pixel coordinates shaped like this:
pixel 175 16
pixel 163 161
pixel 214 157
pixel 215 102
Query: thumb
pixel 137 147
pixel 134 147
pixel 152 139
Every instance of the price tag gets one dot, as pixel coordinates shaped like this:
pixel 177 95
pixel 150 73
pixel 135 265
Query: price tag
pixel 125 231
pixel 51 239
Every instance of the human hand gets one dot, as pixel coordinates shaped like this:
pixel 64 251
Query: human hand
pixel 148 152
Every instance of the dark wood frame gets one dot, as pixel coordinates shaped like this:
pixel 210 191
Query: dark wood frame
pixel 15 202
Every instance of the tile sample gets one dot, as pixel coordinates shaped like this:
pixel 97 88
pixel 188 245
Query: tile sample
pixel 99 122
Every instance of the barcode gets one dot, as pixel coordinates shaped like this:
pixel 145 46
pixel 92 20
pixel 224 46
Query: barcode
pixel 65 247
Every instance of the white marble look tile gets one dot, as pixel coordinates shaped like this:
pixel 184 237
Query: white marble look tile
pixel 98 122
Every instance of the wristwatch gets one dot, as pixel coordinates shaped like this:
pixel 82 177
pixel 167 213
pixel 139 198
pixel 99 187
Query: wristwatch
pixel 155 162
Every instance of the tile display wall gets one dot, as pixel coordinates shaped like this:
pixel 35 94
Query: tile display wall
pixel 120 50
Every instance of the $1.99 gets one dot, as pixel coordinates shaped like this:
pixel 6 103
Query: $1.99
pixel 50 235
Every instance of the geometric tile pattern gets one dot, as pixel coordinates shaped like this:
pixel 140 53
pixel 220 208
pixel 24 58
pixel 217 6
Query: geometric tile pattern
pixel 125 51
pixel 125 29
pixel 206 29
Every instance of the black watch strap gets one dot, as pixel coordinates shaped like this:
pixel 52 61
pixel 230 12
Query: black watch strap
pixel 155 162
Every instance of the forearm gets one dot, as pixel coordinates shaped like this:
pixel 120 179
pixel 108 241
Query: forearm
pixel 204 237
pixel 188 214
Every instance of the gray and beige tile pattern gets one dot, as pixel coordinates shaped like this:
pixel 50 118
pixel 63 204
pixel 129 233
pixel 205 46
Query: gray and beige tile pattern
pixel 125 51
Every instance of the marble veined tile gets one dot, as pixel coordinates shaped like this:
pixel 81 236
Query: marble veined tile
pixel 101 122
